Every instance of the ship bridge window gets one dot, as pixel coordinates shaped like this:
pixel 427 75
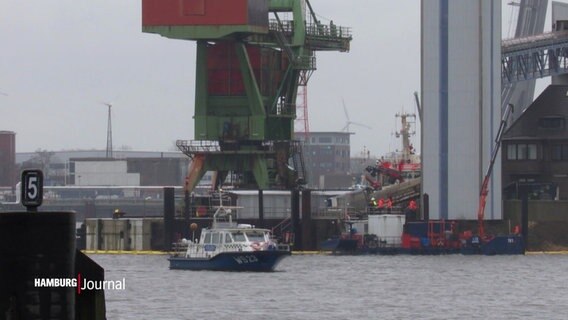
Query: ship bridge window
pixel 239 237
pixel 216 238
pixel 228 238
pixel 255 236
pixel 207 238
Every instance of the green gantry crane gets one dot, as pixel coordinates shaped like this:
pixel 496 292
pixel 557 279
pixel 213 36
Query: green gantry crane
pixel 251 57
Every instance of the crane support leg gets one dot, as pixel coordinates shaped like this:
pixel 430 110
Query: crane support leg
pixel 260 172
pixel 195 172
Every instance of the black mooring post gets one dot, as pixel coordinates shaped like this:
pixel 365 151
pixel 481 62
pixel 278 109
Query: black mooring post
pixel 261 208
pixel 89 304
pixel 36 245
pixel 295 215
pixel 169 211
pixel 186 213
pixel 525 218
pixel 426 207
pixel 307 234
pixel 38 248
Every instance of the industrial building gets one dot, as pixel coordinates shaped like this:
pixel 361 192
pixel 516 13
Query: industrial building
pixel 95 186
pixel 92 168
pixel 535 148
pixel 327 157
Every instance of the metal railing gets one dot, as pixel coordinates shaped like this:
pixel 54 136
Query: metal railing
pixel 306 63
pixel 393 210
pixel 312 29
pixel 389 242
pixel 329 213
pixel 530 42
pixel 197 250
pixel 328 31
pixel 285 109
pixel 190 147
pixel 199 146
pixel 534 57
pixel 282 226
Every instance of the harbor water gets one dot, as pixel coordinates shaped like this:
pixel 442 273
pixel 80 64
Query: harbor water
pixel 344 287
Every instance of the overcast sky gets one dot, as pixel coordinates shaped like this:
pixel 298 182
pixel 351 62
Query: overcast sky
pixel 60 59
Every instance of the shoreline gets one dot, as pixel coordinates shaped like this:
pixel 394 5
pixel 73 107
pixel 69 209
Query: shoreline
pixel 155 252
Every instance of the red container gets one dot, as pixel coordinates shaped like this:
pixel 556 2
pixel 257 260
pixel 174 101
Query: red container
pixel 406 239
pixel 204 12
pixel 415 243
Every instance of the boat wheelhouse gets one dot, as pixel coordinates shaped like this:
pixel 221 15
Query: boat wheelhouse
pixel 229 246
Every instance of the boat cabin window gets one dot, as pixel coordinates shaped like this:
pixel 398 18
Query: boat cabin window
pixel 255 236
pixel 239 237
pixel 207 238
pixel 228 238
pixel 216 238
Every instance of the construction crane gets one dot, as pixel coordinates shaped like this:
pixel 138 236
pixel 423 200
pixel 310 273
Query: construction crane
pixel 418 106
pixel 251 58
pixel 485 185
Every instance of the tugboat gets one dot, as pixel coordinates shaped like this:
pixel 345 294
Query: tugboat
pixel 228 246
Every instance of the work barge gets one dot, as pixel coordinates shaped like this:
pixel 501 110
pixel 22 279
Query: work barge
pixel 305 220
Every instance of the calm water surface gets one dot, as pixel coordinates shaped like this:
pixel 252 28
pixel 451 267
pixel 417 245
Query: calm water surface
pixel 341 287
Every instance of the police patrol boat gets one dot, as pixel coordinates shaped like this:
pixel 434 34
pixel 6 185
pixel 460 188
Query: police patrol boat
pixel 228 246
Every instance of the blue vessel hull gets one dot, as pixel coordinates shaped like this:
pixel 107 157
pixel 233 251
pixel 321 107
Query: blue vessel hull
pixel 339 245
pixel 232 261
pixel 498 245
pixel 433 251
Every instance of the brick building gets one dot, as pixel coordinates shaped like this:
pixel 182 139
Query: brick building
pixel 327 156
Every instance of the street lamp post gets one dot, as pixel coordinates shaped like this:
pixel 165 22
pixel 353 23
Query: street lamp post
pixel 144 208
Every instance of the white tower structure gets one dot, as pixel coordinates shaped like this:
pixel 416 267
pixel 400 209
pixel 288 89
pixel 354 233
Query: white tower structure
pixel 461 102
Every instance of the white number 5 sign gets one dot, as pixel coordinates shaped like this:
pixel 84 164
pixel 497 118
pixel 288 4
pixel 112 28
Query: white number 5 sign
pixel 32 188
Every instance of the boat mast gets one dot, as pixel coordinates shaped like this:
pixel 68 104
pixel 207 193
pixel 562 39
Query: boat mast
pixel 405 133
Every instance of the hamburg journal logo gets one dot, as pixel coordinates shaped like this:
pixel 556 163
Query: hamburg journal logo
pixel 81 284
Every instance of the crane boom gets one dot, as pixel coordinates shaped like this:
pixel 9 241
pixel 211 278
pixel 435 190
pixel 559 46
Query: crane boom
pixel 485 185
pixel 418 106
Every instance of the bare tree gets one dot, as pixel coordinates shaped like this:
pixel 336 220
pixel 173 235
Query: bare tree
pixel 41 160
